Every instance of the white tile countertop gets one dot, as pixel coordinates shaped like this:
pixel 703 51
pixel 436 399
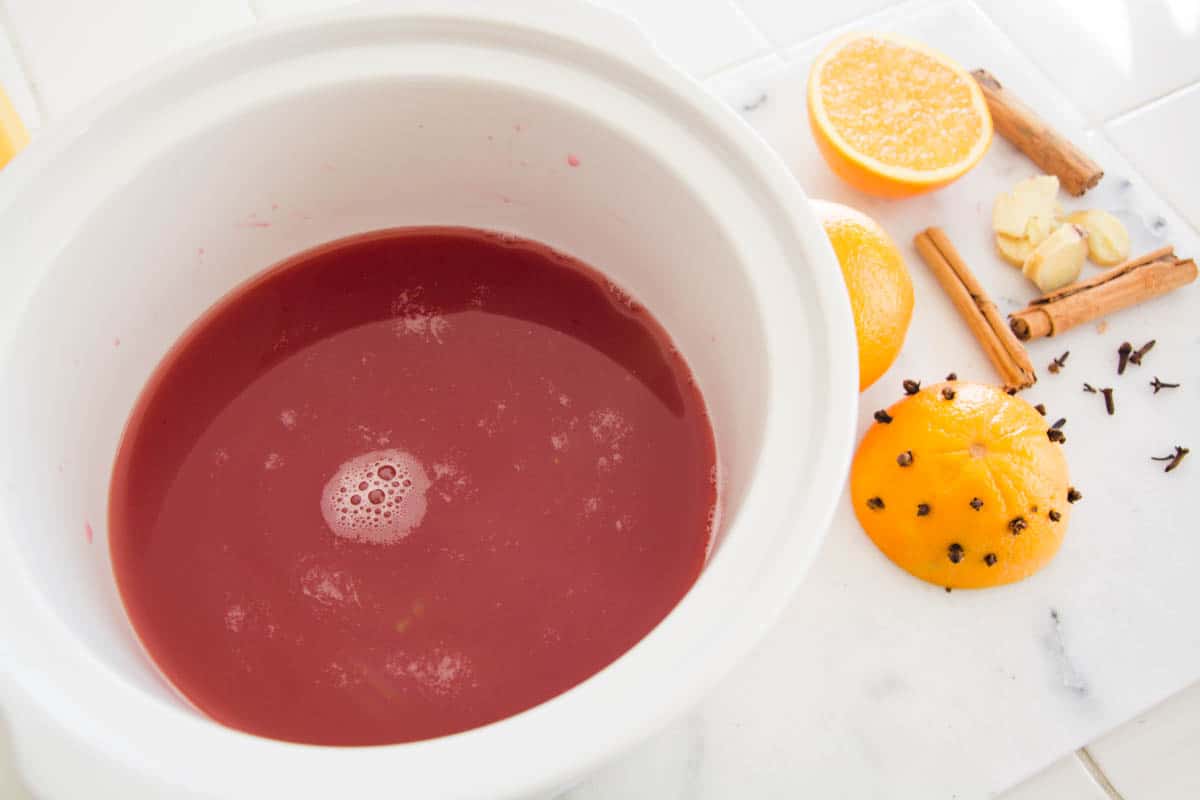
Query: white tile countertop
pixel 1124 76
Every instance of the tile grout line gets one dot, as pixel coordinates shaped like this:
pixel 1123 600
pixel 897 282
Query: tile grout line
pixel 740 8
pixel 750 23
pixel 9 30
pixel 1091 123
pixel 1146 105
pixel 1093 767
pixel 1059 92
pixel 896 6
pixel 737 64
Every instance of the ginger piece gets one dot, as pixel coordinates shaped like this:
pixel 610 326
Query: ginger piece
pixel 1058 260
pixel 1108 240
pixel 1032 197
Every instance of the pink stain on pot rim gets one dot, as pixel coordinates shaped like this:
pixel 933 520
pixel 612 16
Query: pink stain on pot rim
pixel 87 532
pixel 572 160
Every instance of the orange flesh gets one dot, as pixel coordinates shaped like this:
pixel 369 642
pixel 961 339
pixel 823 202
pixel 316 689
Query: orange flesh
pixel 899 106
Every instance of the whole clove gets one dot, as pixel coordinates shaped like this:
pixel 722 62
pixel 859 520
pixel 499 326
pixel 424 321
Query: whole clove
pixel 953 376
pixel 1016 525
pixel 911 386
pixel 1173 459
pixel 1074 495
pixel 955 551
pixel 948 393
pixel 1123 353
pixel 875 503
pixel 1058 363
pixel 1108 400
pixel 883 416
pixel 1136 356
pixel 1055 516
pixel 905 459
pixel 1058 423
pixel 976 503
pixel 1057 436
pixel 1157 384
pixel 923 509
pixel 1087 387
pixel 1040 408
pixel 990 559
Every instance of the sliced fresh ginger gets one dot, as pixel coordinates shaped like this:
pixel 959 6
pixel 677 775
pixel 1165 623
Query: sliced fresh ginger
pixel 1015 249
pixel 1059 259
pixel 1108 241
pixel 1032 234
pixel 1025 217
pixel 1039 228
pixel 1032 197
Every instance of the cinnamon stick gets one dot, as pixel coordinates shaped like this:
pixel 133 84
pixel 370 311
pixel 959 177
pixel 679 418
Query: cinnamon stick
pixel 1045 147
pixel 976 308
pixel 1137 280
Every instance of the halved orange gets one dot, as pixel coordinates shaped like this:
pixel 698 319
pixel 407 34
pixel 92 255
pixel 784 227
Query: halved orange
pixel 893 117
pixel 960 485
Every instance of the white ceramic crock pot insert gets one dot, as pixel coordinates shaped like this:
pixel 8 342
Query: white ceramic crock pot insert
pixel 128 220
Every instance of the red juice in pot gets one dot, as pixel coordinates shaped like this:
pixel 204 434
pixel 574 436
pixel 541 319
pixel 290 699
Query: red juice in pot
pixel 407 484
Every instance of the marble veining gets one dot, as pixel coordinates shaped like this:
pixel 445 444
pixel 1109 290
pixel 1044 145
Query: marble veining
pixel 757 103
pixel 1056 644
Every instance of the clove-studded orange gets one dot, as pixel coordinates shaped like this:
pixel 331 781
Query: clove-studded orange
pixel 960 485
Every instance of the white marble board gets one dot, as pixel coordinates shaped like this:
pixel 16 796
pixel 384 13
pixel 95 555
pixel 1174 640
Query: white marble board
pixel 875 685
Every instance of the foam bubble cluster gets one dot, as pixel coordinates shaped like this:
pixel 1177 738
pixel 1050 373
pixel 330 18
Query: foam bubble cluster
pixel 329 587
pixel 414 318
pixel 623 297
pixel 438 671
pixel 377 498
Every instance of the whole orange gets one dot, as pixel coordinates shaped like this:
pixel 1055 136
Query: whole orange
pixel 893 117
pixel 13 135
pixel 960 485
pixel 881 292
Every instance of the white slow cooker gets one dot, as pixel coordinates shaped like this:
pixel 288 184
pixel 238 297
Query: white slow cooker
pixel 126 220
